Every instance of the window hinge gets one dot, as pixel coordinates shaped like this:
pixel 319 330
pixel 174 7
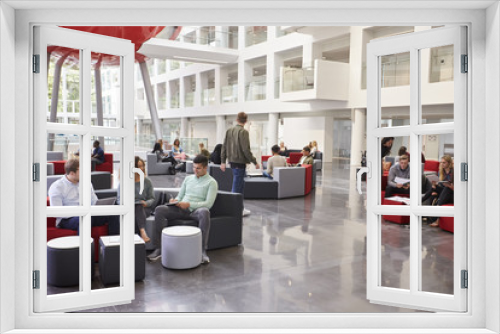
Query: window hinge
pixel 464 171
pixel 465 279
pixel 36 172
pixel 36 63
pixel 465 64
pixel 36 279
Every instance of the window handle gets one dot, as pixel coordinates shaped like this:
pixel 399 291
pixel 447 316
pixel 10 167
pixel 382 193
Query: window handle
pixel 361 171
pixel 134 170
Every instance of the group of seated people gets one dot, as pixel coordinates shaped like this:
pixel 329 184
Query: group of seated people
pixel 278 160
pixel 196 197
pixel 440 193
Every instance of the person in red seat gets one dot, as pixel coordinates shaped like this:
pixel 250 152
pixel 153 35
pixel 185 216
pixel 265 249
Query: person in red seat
pixel 275 161
pixel 66 192
pixel 401 171
pixel 97 154
pixel 443 191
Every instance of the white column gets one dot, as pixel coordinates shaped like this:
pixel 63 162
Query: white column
pixel 310 52
pixel 221 36
pixel 220 121
pixel 272 131
pixel 184 127
pixel 328 139
pixel 182 92
pixel 199 90
pixel 358 132
pixel 218 85
pixel 270 76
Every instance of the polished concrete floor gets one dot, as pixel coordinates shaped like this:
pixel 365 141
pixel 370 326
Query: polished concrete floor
pixel 304 254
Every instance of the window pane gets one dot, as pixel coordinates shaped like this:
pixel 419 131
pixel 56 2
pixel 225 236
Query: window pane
pixel 63 79
pixel 395 252
pixel 60 148
pixel 395 92
pixel 106 90
pixel 106 166
pixel 392 171
pixel 437 254
pixel 437 85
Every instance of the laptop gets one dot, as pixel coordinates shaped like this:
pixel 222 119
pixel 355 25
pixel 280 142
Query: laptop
pixel 106 201
pixel 254 173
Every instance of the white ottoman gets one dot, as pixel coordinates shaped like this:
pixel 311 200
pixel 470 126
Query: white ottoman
pixel 181 247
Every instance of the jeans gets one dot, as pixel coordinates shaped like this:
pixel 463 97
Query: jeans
pixel 266 174
pixel 73 223
pixel 238 180
pixel 164 214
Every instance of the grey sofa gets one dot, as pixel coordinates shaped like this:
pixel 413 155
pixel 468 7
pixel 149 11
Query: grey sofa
pixel 318 160
pixel 156 168
pixel 54 156
pixel 225 218
pixel 287 182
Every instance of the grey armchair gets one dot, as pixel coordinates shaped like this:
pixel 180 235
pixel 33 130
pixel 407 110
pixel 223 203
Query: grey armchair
pixel 156 168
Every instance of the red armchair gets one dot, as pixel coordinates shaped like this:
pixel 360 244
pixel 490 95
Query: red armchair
pixel 431 166
pixel 107 165
pixel 447 223
pixel 54 232
pixel 308 183
pixel 294 158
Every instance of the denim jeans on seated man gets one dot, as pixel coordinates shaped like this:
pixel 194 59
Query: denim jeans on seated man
pixel 73 223
pixel 238 177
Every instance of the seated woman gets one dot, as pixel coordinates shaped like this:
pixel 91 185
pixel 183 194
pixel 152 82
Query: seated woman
pixel 178 151
pixel 203 150
pixel 275 161
pixel 158 150
pixel 283 148
pixel 442 192
pixel 314 147
pixel 215 155
pixel 143 202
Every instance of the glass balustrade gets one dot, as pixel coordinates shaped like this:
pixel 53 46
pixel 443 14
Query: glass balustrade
pixel 256 90
pixel 189 99
pixel 174 101
pixel 208 97
pixel 229 93
pixel 295 79
pixel 209 36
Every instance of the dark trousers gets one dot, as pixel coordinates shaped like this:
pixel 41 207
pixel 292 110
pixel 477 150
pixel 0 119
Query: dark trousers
pixel 238 178
pixel 164 214
pixel 391 191
pixel 73 223
pixel 141 213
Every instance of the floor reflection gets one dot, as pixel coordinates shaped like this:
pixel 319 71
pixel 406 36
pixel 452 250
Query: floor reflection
pixel 304 254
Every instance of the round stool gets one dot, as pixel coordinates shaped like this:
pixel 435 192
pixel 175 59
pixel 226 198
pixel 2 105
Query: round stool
pixel 63 261
pixel 181 247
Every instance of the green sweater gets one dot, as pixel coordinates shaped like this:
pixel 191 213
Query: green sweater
pixel 200 192
pixel 236 146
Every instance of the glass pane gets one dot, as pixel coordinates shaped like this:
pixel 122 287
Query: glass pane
pixel 106 231
pixel 395 252
pixel 174 93
pixel 437 152
pixel 106 90
pixel 162 95
pixel 105 166
pixel 395 92
pixel 395 169
pixel 63 85
pixel 437 254
pixel 63 255
pixel 437 85
pixel 61 147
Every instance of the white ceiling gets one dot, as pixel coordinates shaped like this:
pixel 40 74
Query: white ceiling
pixel 245 4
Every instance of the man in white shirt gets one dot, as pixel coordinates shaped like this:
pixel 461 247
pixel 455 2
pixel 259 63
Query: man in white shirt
pixel 275 161
pixel 65 192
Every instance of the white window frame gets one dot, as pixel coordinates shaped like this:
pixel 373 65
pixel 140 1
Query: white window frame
pixel 484 45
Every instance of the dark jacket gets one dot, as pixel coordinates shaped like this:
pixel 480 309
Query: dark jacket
pixel 236 146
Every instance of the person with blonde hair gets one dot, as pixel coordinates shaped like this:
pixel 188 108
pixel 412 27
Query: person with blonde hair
pixel 313 145
pixel 442 191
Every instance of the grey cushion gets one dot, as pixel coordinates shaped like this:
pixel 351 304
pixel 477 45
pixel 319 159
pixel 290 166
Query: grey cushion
pixel 100 180
pixel 50 168
pixel 189 167
pixel 291 181
pixel 224 179
pixel 154 167
pixel 261 187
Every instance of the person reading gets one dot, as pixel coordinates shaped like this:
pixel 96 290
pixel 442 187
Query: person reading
pixel 398 180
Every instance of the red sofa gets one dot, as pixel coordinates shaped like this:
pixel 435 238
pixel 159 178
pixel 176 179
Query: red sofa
pixel 294 158
pixel 107 165
pixel 447 223
pixel 54 232
pixel 308 183
pixel 431 166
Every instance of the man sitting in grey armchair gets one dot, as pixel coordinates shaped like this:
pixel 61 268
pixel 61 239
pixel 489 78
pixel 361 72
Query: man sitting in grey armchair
pixel 196 197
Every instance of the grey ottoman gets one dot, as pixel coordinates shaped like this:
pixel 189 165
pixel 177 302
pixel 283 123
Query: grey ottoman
pixel 109 259
pixel 63 261
pixel 150 230
pixel 181 247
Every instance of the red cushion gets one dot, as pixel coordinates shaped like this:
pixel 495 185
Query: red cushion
pixel 107 165
pixel 392 218
pixel 384 182
pixel 431 166
pixel 295 157
pixel 308 183
pixel 447 223
pixel 59 167
pixel 265 157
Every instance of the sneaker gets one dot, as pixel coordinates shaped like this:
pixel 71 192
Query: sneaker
pixel 155 255
pixel 246 212
pixel 205 258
